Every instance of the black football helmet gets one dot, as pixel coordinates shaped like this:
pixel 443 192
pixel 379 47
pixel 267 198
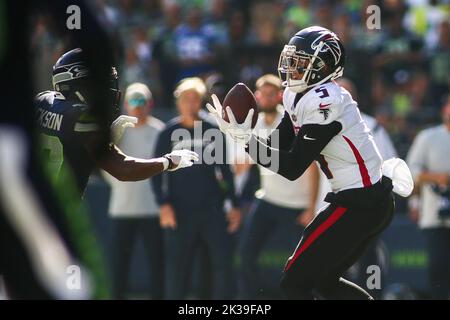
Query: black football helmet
pixel 313 56
pixel 70 73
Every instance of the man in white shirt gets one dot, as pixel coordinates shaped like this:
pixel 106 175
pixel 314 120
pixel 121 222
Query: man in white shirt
pixel 278 201
pixel 132 205
pixel 428 159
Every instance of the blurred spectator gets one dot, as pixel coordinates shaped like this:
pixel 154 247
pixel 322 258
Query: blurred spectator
pixel 279 202
pixel 142 45
pixel 236 52
pixel 237 28
pixel 46 50
pixel 440 63
pixel 192 203
pixel 263 45
pixel 107 14
pixel 265 19
pixel 323 14
pixel 216 21
pixel 152 9
pixel 133 69
pixel 194 45
pixel 365 37
pixel 138 51
pixel 164 51
pixel 132 205
pixel 424 17
pixel 129 14
pixel 356 9
pixel 398 49
pixel 428 160
pixel 357 53
pixel 419 89
pixel 297 16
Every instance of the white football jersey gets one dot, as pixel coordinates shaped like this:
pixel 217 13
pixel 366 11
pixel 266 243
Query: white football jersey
pixel 351 159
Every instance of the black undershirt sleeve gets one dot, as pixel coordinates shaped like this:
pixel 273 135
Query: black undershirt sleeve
pixel 284 134
pixel 291 163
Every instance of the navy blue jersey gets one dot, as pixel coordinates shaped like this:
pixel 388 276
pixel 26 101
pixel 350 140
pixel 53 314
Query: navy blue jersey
pixel 66 128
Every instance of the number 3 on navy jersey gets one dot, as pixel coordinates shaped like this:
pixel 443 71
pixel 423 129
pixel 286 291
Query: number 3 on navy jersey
pixel 53 154
pixel 323 91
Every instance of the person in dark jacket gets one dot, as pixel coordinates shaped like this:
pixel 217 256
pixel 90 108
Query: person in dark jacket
pixel 192 205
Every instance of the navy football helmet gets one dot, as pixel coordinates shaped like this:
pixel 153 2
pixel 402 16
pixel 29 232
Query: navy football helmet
pixel 69 77
pixel 313 56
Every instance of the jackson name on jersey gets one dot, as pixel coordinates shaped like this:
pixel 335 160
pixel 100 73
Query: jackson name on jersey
pixel 65 127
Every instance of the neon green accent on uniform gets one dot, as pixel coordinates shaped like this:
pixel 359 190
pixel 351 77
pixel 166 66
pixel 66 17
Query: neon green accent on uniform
pixel 77 220
pixel 82 232
pixel 53 153
pixel 87 117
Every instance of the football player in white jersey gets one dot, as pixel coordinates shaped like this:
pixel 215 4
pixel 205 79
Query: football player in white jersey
pixel 322 123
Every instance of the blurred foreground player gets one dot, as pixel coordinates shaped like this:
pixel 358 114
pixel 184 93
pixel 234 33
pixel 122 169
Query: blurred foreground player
pixel 323 123
pixel 34 259
pixel 71 145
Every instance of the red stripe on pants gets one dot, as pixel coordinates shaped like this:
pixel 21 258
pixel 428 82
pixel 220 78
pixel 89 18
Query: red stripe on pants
pixel 362 166
pixel 335 216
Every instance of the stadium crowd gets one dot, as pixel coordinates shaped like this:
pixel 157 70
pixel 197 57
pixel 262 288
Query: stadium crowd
pixel 401 70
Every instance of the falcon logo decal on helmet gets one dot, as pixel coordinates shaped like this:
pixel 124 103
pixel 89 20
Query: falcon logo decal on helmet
pixel 330 42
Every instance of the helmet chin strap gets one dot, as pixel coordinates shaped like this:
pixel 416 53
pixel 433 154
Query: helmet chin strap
pixel 296 86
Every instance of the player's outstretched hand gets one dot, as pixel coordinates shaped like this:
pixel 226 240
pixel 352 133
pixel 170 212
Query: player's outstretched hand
pixel 118 127
pixel 241 133
pixel 181 159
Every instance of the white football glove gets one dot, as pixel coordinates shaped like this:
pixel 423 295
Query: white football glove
pixel 241 133
pixel 119 125
pixel 181 159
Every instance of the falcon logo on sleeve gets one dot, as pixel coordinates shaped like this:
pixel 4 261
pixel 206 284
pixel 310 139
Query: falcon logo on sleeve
pixel 324 110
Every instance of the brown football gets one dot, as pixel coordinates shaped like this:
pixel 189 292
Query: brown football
pixel 240 99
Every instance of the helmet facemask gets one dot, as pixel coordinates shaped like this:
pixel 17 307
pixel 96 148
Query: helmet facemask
pixel 293 63
pixel 71 81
